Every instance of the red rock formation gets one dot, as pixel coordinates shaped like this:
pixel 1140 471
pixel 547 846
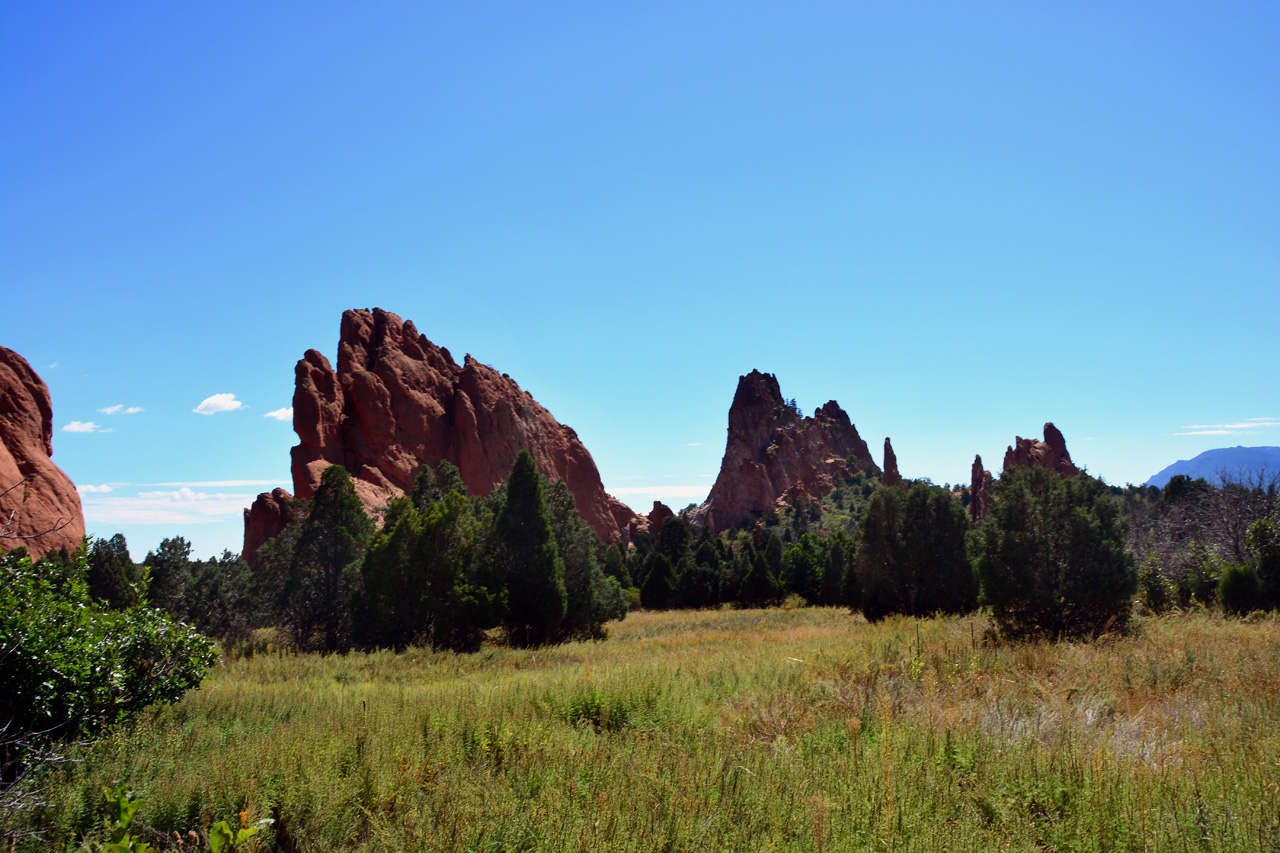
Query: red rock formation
pixel 979 491
pixel 771 450
pixel 263 521
pixel 658 515
pixel 398 402
pixel 47 507
pixel 891 475
pixel 1050 453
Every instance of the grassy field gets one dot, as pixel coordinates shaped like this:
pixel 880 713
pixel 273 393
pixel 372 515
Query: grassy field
pixel 803 729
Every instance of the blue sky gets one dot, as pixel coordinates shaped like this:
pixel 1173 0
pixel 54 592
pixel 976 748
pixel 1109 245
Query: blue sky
pixel 957 220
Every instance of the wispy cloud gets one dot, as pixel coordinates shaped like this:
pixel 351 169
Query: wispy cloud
pixel 218 403
pixel 219 484
pixel 84 426
pixel 695 491
pixel 93 490
pixel 179 506
pixel 53 366
pixel 120 409
pixel 285 414
pixel 1247 427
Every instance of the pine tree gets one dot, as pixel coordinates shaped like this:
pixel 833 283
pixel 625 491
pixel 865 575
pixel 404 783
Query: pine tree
pixel 536 597
pixel 659 584
pixel 321 579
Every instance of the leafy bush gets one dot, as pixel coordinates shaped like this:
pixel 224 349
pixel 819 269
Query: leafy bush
pixel 1239 590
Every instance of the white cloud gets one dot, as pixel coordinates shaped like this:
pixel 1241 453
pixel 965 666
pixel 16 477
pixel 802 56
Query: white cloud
pixel 180 506
pixel 1248 427
pixel 284 414
pixel 53 366
pixel 84 426
pixel 218 403
pixel 91 490
pixel 119 409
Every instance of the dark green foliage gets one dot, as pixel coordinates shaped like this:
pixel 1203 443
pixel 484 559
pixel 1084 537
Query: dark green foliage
pixel 170 566
pixel 323 572
pixel 1264 548
pixel 835 565
pixel 1239 589
pixel 592 598
pixel 537 600
pixel 113 577
pixel 880 557
pixel 801 570
pixel 760 586
pixel 218 597
pixel 673 539
pixel 1052 556
pixel 659 589
pixel 615 566
pixel 939 577
pixel 431 486
pixel 71 666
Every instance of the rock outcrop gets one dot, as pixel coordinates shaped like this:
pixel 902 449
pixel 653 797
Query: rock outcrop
pixel 1024 453
pixel 979 490
pixel 891 475
pixel 773 451
pixel 39 500
pixel 398 402
pixel 263 521
pixel 1050 453
pixel 658 516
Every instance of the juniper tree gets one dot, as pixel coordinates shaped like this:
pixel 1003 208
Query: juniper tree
pixel 536 597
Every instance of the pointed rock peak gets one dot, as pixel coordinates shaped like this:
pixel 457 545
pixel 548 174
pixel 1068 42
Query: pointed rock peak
pixel 1050 453
pixel 658 516
pixel 772 451
pixel 891 475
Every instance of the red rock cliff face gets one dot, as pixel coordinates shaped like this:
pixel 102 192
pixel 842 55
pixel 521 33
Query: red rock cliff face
pixel 397 402
pixel 49 504
pixel 773 451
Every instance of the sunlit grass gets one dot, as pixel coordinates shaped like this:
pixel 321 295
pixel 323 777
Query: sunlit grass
pixel 802 729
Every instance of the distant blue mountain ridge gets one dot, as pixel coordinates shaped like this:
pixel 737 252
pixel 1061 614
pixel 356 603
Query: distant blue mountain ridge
pixel 1237 462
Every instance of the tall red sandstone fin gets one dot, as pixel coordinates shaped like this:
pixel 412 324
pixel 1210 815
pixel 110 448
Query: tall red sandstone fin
pixel 891 475
pixel 264 520
pixel 47 507
pixel 979 490
pixel 397 403
pixel 772 451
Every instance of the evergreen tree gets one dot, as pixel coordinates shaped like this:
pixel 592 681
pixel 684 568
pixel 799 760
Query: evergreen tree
pixel 112 576
pixel 659 588
pixel 759 587
pixel 536 597
pixel 801 572
pixel 615 566
pixel 1052 556
pixel 938 576
pixel 170 566
pixel 834 567
pixel 879 557
pixel 591 598
pixel 331 539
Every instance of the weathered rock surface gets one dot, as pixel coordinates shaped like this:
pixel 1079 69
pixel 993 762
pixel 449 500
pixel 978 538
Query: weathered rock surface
pixel 658 516
pixel 47 508
pixel 891 475
pixel 979 490
pixel 1050 453
pixel 398 402
pixel 773 451
pixel 263 521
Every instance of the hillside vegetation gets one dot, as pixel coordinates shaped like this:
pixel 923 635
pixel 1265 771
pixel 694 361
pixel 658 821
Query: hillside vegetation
pixel 781 729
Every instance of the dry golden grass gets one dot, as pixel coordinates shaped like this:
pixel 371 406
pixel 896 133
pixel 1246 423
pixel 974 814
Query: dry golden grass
pixel 801 729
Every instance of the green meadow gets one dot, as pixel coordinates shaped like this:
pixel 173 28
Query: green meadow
pixel 786 729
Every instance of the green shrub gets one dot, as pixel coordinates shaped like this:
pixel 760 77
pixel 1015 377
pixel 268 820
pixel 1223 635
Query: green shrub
pixel 1239 590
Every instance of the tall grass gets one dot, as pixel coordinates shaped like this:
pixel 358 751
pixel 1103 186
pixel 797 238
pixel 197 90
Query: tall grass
pixel 729 730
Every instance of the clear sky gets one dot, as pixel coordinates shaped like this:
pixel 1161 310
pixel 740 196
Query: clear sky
pixel 958 220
